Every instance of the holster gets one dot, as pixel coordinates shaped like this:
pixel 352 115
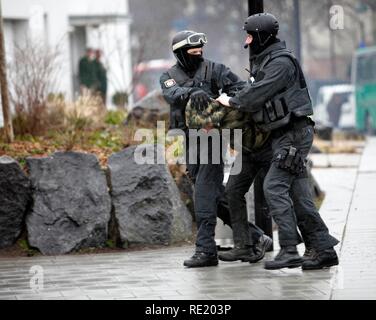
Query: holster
pixel 290 159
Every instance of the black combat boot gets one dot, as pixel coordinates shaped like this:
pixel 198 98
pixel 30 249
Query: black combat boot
pixel 264 245
pixel 288 257
pixel 245 254
pixel 201 259
pixel 322 259
pixel 309 253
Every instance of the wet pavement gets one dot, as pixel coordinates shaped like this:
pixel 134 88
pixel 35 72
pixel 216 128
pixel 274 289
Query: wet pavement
pixel 348 210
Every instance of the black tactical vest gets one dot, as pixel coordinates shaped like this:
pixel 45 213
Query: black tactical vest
pixel 294 100
pixel 202 79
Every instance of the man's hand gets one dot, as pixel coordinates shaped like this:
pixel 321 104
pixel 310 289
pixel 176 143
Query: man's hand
pixel 208 127
pixel 224 100
pixel 200 100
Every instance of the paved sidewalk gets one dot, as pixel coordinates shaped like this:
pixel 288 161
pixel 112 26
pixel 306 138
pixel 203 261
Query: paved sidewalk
pixel 356 277
pixel 336 160
pixel 155 275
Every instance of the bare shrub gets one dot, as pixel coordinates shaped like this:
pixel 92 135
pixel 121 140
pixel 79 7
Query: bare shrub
pixel 55 112
pixel 87 111
pixel 33 76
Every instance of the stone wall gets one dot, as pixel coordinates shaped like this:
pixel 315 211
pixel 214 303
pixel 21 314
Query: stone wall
pixel 66 202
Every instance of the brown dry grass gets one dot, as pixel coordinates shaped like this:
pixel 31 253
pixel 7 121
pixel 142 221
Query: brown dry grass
pixel 341 143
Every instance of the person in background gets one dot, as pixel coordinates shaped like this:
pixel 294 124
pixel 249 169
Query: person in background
pixel 101 76
pixel 87 72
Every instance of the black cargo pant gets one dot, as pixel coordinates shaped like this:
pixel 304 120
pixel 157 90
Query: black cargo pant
pixel 224 213
pixel 208 188
pixel 245 233
pixel 280 183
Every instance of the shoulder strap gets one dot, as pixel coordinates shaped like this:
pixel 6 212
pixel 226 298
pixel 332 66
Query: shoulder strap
pixel 178 75
pixel 206 70
pixel 289 54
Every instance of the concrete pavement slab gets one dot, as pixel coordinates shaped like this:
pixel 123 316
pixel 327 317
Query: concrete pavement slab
pixel 335 160
pixel 348 210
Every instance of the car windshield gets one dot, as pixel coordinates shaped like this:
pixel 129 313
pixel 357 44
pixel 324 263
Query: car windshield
pixel 147 81
pixel 151 78
pixel 366 69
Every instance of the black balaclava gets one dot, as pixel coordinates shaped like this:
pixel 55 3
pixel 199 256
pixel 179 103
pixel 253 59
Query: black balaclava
pixel 189 62
pixel 261 41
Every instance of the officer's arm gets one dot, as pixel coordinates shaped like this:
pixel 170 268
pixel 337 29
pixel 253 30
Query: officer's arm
pixel 276 76
pixel 228 81
pixel 172 92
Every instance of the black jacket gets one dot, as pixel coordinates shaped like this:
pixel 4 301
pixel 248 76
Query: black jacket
pixel 177 91
pixel 277 75
pixel 278 92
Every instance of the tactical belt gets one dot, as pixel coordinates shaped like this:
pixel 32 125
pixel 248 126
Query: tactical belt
pixel 294 124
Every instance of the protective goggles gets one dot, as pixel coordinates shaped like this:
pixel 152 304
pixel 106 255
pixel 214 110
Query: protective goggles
pixel 193 40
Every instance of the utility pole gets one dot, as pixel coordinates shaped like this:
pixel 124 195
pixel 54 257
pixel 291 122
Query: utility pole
pixel 374 25
pixel 332 44
pixel 255 6
pixel 8 127
pixel 262 216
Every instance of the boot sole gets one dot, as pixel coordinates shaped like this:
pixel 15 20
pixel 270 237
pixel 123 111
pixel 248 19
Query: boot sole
pixel 213 264
pixel 265 248
pixel 253 261
pixel 329 265
pixel 290 265
pixel 244 259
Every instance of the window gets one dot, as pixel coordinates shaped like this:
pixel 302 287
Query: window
pixel 366 69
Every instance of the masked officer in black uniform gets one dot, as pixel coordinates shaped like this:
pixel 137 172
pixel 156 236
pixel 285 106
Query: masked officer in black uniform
pixel 255 152
pixel 254 149
pixel 279 101
pixel 198 80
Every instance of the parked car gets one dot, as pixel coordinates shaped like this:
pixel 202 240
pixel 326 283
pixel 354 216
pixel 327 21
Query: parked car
pixel 146 76
pixel 336 106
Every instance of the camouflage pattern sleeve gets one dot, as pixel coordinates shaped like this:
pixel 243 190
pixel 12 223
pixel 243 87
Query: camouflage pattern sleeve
pixel 211 117
pixel 217 116
pixel 253 138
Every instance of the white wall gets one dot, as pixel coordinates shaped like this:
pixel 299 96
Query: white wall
pixel 114 40
pixel 55 30
pixel 15 33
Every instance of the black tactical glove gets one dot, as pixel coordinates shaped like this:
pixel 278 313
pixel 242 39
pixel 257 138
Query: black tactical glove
pixel 200 99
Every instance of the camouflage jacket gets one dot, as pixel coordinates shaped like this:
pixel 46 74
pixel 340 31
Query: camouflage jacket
pixel 217 116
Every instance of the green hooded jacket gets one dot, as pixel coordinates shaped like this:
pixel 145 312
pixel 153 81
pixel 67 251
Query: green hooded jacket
pixel 220 117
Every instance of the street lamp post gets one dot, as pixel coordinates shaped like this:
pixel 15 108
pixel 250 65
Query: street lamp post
pixel 262 216
pixel 332 45
pixel 255 6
